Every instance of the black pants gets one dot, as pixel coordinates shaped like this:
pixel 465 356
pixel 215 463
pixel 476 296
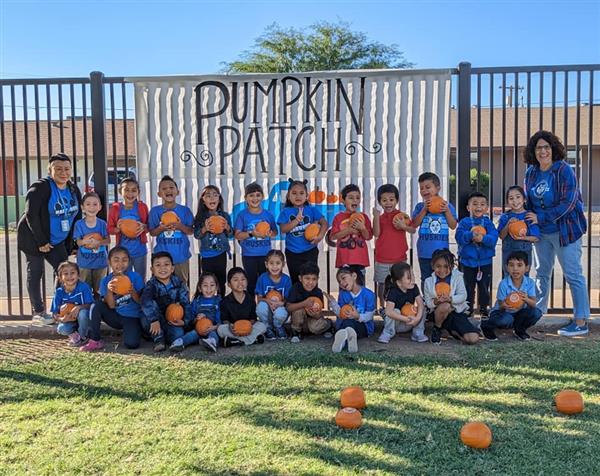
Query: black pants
pixel 35 269
pixel 359 327
pixel 254 267
pixel 483 285
pixel 132 329
pixel 218 266
pixel 296 260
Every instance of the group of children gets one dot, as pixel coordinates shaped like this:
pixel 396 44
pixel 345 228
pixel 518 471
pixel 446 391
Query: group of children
pixel 264 302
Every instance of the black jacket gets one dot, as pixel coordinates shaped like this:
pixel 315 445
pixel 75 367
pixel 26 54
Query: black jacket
pixel 33 229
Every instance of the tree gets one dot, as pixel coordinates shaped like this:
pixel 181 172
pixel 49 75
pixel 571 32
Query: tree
pixel 322 46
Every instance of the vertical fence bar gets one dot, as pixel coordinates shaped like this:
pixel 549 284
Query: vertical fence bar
pixel 5 201
pixel 478 137
pixel 553 131
pixel 503 177
pixel 589 177
pixel 16 189
pixel 566 142
pixel 73 134
pixel 61 125
pixel 113 129
pixel 541 111
pixel 125 143
pixel 463 149
pixel 26 130
pixel 491 144
pixel 99 138
pixel 516 131
pixel 528 105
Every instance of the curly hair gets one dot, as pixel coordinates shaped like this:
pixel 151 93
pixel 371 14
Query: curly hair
pixel 558 149
pixel 444 254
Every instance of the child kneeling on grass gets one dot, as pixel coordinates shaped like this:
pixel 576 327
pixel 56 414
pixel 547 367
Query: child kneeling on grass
pixel 163 288
pixel 516 300
pixel 400 289
pixel 239 305
pixel 448 308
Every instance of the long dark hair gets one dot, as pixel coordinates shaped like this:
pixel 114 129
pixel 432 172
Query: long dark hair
pixel 201 279
pixel 296 183
pixel 202 211
pixel 397 272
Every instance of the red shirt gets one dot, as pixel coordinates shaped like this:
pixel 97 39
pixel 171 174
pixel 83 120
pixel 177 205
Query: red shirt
pixel 391 246
pixel 352 249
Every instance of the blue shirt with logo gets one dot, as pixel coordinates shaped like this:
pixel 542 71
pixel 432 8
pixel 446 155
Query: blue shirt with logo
pixel 265 284
pixel 294 239
pixel 510 244
pixel 433 232
pixel 125 305
pixel 134 245
pixel 542 196
pixel 174 242
pixel 63 208
pixel 246 221
pixel 211 244
pixel 507 286
pixel 87 258
pixel 365 301
pixel 82 294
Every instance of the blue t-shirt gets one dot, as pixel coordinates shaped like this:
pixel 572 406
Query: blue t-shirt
pixel 134 245
pixel 433 232
pixel 508 243
pixel 211 244
pixel 175 242
pixel 265 284
pixel 86 258
pixel 507 286
pixel 542 196
pixel 364 301
pixel 82 294
pixel 63 208
pixel 246 221
pixel 294 239
pixel 207 306
pixel 125 305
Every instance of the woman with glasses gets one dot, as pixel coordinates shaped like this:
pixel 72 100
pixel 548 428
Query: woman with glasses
pixel 555 204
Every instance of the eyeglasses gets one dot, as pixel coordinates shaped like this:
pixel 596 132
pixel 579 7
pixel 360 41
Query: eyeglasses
pixel 541 148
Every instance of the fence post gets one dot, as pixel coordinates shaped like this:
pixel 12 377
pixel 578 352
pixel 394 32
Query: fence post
pixel 463 149
pixel 99 138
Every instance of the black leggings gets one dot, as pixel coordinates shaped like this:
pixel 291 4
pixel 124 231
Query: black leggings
pixel 218 266
pixel 296 260
pixel 35 269
pixel 483 285
pixel 132 329
pixel 359 327
pixel 254 267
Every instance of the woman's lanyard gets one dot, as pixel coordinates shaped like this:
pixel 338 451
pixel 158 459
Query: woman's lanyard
pixel 65 207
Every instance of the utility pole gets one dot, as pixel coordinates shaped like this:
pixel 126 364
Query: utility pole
pixel 509 98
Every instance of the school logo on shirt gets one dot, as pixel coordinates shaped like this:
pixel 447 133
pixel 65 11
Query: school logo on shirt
pixel 299 230
pixel 541 188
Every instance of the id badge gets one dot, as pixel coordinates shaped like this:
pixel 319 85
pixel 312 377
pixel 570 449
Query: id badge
pixel 64 225
pixel 479 275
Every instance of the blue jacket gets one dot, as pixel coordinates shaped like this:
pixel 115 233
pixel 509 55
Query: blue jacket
pixel 157 296
pixel 476 254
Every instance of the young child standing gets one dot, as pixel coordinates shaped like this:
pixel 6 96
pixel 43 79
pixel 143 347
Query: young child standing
pixel 254 228
pixel 307 318
pixel 117 309
pixel 293 220
pixel 401 290
pixel 476 236
pixel 163 288
pixel 74 322
pixel 448 306
pixel 131 208
pixel 516 301
pixel 272 312
pixel 389 229
pixel 239 304
pixel 515 198
pixel 172 229
pixel 352 229
pixel 213 234
pixel 92 254
pixel 435 218
pixel 354 310
pixel 204 305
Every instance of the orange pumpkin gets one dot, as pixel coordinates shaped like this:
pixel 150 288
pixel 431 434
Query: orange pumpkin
pixel 121 284
pixel 66 309
pixel 479 229
pixel 312 231
pixel 129 227
pixel 514 301
pixel 346 311
pixel 315 306
pixel 242 327
pixel 476 434
pixel 174 312
pixel 353 397
pixel 442 289
pixel 169 218
pixel 262 228
pixel 569 402
pixel 217 224
pixel 348 418
pixel 94 236
pixel 435 204
pixel 357 217
pixel 401 217
pixel 274 295
pixel 409 309
pixel 316 196
pixel 202 325
pixel 332 198
pixel 517 229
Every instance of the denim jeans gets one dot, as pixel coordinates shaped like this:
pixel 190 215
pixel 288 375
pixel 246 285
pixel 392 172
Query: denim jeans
pixel 569 258
pixel 520 320
pixel 138 265
pixel 426 270
pixel 192 337
pixel 82 325
pixel 269 318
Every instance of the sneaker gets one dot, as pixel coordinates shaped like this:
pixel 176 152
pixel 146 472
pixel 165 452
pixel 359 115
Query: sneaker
pixel 484 314
pixel 436 335
pixel 327 335
pixel 420 338
pixel 352 340
pixel 92 345
pixel 43 318
pixel 521 334
pixel 231 342
pixel 75 339
pixel 159 346
pixel 295 340
pixel 280 332
pixel 489 334
pixel 260 339
pixel 209 343
pixel 384 338
pixel 176 346
pixel 573 330
pixel 270 335
pixel 339 340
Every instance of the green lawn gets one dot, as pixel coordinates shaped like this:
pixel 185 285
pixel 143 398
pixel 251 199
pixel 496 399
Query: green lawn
pixel 115 414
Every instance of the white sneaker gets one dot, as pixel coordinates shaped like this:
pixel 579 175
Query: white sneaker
pixel 339 340
pixel 177 345
pixel 384 338
pixel 209 344
pixel 352 340
pixel 43 318
pixel 420 338
pixel 295 340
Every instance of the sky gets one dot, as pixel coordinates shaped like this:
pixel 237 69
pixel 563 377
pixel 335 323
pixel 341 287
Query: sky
pixel 47 38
